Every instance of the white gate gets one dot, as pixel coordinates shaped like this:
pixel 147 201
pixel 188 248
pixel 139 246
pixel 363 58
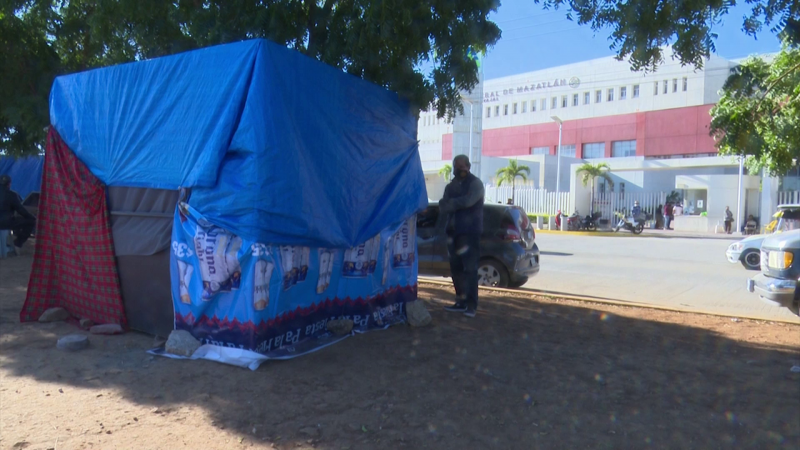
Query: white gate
pixel 533 201
pixel 788 197
pixel 609 202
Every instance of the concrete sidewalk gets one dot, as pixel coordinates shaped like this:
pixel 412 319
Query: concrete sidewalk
pixel 666 234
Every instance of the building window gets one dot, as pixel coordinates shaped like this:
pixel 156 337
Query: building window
pixel 554 103
pixel 635 91
pixel 610 95
pixel 685 83
pixel 666 86
pixel 623 92
pixel 621 149
pixel 655 88
pixel 497 110
pixel 533 105
pixel 524 106
pixel 514 108
pixel 505 110
pixel 575 100
pixel 598 96
pixel 543 104
pixel 563 101
pixel 540 150
pixel 594 150
pixel 674 85
pixel 568 150
pixel 488 111
pixel 587 98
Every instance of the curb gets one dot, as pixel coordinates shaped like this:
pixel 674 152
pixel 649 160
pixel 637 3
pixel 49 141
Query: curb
pixel 606 301
pixel 626 233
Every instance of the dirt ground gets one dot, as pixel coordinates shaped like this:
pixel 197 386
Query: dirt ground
pixel 526 373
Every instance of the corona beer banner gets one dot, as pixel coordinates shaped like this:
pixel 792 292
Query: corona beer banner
pixel 244 296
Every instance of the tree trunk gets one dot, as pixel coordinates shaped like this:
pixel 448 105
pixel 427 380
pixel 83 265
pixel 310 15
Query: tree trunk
pixel 591 205
pixel 512 190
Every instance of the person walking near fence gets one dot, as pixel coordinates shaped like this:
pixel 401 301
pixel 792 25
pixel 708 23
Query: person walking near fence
pixel 667 215
pixel 463 199
pixel 728 219
pixel 22 224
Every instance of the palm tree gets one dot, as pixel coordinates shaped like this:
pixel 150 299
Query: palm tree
pixel 446 172
pixel 589 172
pixel 510 174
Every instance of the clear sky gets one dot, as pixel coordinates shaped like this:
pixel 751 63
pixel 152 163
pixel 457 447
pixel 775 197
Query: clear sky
pixel 534 39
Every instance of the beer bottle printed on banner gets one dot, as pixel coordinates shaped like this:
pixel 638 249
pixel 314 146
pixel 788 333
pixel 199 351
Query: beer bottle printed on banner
pixel 212 247
pixel 301 262
pixel 356 262
pixel 232 263
pixel 387 258
pixel 404 244
pixel 288 266
pixel 324 259
pixel 374 251
pixel 185 271
pixel 262 274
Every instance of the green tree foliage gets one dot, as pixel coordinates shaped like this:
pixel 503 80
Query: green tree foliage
pixel 446 172
pixel 640 29
pixel 758 114
pixel 510 173
pixel 589 173
pixel 419 49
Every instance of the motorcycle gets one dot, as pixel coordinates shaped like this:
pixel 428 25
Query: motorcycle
pixel 574 222
pixel 635 226
pixel 590 222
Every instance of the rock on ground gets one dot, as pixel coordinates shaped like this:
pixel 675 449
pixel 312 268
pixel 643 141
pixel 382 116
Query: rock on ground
pixel 54 315
pixel 72 342
pixel 340 327
pixel 108 328
pixel 181 343
pixel 417 313
pixel 86 323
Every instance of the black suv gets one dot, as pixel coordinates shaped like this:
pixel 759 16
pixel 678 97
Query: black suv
pixel 509 254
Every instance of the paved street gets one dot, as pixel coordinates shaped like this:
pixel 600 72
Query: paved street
pixel 688 273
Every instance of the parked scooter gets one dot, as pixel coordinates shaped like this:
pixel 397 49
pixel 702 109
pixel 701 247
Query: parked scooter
pixel 590 222
pixel 634 225
pixel 574 222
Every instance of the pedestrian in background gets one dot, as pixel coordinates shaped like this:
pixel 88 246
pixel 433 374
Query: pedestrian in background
pixel 728 219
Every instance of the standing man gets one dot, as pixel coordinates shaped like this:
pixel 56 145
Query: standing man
pixel 728 219
pixel 10 203
pixel 667 215
pixel 463 201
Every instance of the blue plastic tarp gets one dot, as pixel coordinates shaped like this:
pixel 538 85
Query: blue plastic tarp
pixel 277 147
pixel 25 173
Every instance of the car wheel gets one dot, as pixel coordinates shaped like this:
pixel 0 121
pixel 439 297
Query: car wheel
pixel 751 260
pixel 517 282
pixel 492 273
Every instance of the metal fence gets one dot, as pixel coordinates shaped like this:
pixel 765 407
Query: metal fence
pixel 533 201
pixel 788 197
pixel 609 202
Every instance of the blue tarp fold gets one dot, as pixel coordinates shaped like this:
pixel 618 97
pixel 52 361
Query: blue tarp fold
pixel 277 147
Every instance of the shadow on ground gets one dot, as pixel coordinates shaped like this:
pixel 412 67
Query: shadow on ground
pixel 523 374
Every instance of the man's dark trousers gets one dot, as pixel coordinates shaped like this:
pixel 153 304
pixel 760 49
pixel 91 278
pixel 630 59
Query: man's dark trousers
pixel 465 253
pixel 21 227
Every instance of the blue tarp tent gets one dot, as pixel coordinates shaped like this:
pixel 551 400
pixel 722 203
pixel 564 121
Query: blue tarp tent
pixel 290 170
pixel 26 173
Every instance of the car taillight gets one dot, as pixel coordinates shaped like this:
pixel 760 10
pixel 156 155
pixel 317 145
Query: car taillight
pixel 512 233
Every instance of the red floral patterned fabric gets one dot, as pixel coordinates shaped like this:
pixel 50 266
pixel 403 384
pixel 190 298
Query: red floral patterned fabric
pixel 74 265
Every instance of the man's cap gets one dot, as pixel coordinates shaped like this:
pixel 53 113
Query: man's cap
pixel 5 180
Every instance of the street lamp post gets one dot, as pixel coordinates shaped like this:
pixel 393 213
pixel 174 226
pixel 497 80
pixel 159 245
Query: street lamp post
pixel 470 127
pixel 558 154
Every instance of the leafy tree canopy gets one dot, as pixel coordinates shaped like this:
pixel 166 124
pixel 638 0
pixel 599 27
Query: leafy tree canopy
pixel 387 42
pixel 641 29
pixel 758 114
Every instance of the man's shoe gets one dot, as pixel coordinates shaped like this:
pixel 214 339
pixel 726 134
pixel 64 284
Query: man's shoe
pixel 457 307
pixel 469 312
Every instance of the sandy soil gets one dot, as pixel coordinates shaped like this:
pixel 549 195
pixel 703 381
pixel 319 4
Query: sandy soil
pixel 526 373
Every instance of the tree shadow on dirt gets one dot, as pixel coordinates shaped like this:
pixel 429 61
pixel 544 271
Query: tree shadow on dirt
pixel 523 374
